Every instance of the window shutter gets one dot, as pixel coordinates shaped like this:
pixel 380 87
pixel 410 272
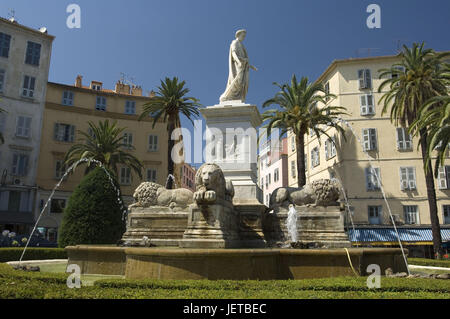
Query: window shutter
pixel 442 178
pixel 367 79
pixel 370 109
pixel 368 178
pixel 72 133
pixel 366 139
pixel 361 79
pixel 363 105
pixel 403 178
pixel 327 155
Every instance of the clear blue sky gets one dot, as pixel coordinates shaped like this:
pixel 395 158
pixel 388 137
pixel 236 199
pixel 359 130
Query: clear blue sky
pixel 150 40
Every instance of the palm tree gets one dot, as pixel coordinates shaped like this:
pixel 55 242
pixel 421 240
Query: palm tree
pixel 104 143
pixel 411 83
pixel 169 101
pixel 299 112
pixel 435 118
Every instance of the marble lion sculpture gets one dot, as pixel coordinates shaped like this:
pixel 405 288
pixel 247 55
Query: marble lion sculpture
pixel 323 192
pixel 151 194
pixel 210 185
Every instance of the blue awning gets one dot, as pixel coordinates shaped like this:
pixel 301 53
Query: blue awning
pixel 389 235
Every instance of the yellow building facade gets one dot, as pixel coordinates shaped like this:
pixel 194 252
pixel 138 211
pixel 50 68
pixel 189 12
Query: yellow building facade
pixel 68 110
pixel 373 141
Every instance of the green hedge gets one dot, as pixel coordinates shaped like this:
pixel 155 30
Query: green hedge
pixel 20 284
pixel 429 262
pixel 13 254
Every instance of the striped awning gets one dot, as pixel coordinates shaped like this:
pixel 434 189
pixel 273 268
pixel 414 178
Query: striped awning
pixel 389 235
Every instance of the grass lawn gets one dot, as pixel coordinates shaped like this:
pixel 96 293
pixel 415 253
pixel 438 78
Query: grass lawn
pixel 52 284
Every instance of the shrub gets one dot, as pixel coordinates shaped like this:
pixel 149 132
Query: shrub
pixel 13 254
pixel 93 214
pixel 429 262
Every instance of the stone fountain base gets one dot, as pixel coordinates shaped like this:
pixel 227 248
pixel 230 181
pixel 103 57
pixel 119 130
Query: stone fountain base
pixel 231 264
pixel 316 225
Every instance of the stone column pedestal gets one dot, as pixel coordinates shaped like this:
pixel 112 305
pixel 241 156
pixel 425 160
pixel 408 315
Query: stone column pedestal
pixel 234 145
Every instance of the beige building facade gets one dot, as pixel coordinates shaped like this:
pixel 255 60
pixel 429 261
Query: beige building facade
pixel 68 110
pixel 371 141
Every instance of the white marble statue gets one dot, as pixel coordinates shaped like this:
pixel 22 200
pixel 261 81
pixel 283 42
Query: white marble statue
pixel 239 67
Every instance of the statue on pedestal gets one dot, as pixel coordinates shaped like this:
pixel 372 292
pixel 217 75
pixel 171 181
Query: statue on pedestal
pixel 239 67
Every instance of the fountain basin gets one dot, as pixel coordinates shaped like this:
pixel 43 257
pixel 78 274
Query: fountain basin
pixel 230 264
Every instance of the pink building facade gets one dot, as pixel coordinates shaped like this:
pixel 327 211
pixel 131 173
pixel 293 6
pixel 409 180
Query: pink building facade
pixel 273 168
pixel 187 176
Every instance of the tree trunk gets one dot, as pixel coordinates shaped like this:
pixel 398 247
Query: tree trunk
pixel 170 163
pixel 431 193
pixel 300 145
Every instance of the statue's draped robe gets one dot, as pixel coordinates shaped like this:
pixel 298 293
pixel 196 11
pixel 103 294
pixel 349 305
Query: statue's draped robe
pixel 237 84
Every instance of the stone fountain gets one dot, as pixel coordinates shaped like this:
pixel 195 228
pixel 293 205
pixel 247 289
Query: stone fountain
pixel 222 230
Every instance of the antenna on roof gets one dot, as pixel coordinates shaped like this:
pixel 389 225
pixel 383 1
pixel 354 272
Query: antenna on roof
pixel 124 78
pixel 399 44
pixel 12 15
pixel 369 50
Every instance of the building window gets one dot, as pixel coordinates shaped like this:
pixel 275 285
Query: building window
pixel 411 214
pixel 57 206
pixel 330 148
pixel 2 121
pixel 96 87
pixel 404 141
pixel 64 132
pixel 101 103
pixel 375 213
pixel 293 169
pixel 5 42
pixel 369 139
pixel 327 90
pixel 67 98
pixel 33 53
pixel 29 83
pixel 276 175
pixel 60 169
pixel 364 79
pixel 372 178
pixel 446 209
pixel 366 104
pixel 20 164
pixel 125 175
pixel 293 143
pixel 23 126
pixel 151 175
pixel 130 107
pixel 444 177
pixel 398 68
pixel 2 80
pixel 153 143
pixel 408 178
pixel 128 139
pixel 315 157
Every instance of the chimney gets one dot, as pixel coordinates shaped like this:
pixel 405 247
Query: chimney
pixel 79 81
pixel 151 93
pixel 122 88
pixel 136 90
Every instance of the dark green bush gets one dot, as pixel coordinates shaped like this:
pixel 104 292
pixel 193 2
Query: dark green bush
pixel 93 214
pixel 20 284
pixel 13 254
pixel 429 262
